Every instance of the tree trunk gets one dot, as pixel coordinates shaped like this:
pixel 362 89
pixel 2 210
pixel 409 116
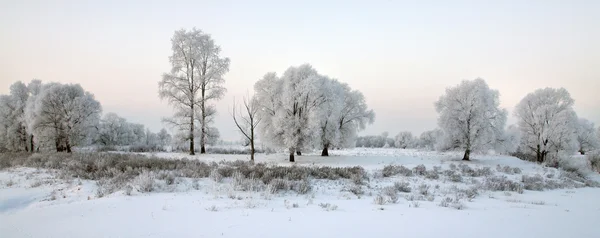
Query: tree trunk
pixel 292 156
pixel 582 152
pixel 299 153
pixel 68 145
pixel 203 134
pixel 325 151
pixel 32 145
pixel 467 154
pixel 192 152
pixel 252 139
pixel 538 155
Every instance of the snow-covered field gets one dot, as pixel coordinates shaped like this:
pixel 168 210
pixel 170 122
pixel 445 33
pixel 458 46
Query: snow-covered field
pixel 43 203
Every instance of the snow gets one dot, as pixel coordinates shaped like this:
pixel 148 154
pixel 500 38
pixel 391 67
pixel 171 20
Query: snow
pixel 69 208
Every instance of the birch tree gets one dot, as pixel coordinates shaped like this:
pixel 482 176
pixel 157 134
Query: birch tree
pixel 196 79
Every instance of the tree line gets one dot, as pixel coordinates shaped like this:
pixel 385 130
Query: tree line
pixel 297 111
pixel 54 116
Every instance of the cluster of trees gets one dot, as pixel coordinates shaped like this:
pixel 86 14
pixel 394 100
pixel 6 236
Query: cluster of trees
pixel 470 119
pixel 51 115
pixel 114 130
pixel 303 110
pixel 299 110
pixel 196 79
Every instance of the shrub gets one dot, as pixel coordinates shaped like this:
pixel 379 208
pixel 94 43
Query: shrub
pixel 391 193
pixel 432 175
pixel 216 176
pixel 420 170
pixel 424 189
pixel 145 182
pixel 392 170
pixel 403 187
pixel 356 190
pixel 501 183
pixel 328 207
pixel 535 182
pixel 594 158
pixel 379 200
pixel 277 185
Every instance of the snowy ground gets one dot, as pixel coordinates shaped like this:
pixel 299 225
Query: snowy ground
pixel 42 203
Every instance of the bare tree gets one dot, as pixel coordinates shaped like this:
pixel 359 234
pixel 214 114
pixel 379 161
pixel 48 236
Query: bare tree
pixel 196 78
pixel 249 121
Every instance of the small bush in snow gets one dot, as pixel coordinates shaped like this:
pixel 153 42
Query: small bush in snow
pixel 302 187
pixel 415 204
pixel 356 190
pixel 195 184
pixel 501 183
pixel 145 182
pixel 508 170
pixel 391 194
pixel 212 208
pixel 128 189
pixel 455 177
pixel 379 200
pixel 458 205
pixel 432 175
pixel 216 176
pixel 420 170
pixel 424 189
pixel 392 170
pixel 452 167
pixel 277 185
pixel 535 182
pixel 446 202
pixel 328 207
pixel 403 187
pixel 594 158
pixel 357 179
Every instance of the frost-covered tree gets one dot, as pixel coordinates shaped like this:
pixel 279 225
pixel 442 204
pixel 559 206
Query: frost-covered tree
pixel 248 121
pixel 470 116
pixel 343 113
pixel 428 139
pixel 510 141
pixel 547 122
pixel 15 134
pixel 164 138
pixel 65 115
pixel 404 139
pixel 288 105
pixel 196 79
pixel 303 110
pixel 586 136
pixel 114 130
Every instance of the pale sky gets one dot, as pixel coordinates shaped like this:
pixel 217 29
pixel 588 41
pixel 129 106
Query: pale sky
pixel 400 54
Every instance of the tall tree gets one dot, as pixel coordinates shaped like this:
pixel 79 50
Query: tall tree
pixel 13 118
pixel 249 121
pixel 470 116
pixel 343 113
pixel 405 139
pixel 586 136
pixel 547 122
pixel 289 105
pixel 196 78
pixel 65 114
